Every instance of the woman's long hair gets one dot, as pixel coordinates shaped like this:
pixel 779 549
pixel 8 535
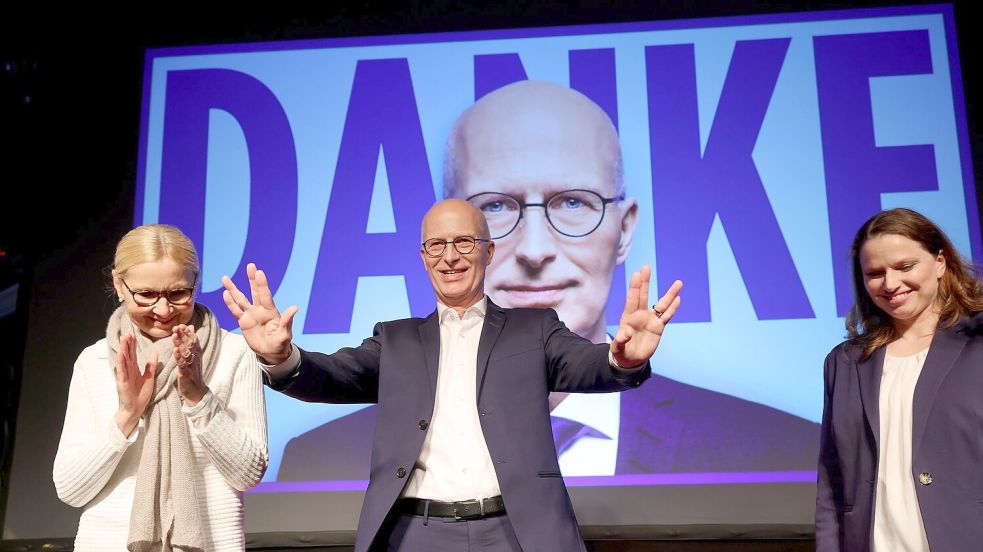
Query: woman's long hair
pixel 960 292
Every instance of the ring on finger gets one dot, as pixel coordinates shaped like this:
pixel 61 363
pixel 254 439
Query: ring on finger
pixel 657 312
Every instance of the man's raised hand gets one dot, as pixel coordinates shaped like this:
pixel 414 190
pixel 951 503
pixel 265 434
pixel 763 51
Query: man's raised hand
pixel 641 326
pixel 268 332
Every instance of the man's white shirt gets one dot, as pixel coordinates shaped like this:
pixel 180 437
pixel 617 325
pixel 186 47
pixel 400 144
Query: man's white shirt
pixel 454 463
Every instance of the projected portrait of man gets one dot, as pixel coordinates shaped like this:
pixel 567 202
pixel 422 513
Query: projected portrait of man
pixel 543 163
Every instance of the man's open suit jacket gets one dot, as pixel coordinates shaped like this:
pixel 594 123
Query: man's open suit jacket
pixel 523 354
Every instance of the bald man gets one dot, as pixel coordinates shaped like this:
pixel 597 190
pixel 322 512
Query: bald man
pixel 543 163
pixel 463 456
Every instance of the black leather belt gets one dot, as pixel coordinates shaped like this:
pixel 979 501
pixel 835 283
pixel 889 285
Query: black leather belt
pixel 463 509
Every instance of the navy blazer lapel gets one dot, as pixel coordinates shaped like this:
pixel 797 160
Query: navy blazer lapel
pixel 490 330
pixel 946 347
pixel 869 373
pixel 430 339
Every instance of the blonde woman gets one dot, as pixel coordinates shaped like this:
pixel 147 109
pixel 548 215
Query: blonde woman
pixel 166 422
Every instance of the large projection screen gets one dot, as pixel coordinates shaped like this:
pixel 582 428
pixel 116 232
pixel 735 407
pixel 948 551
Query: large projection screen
pixel 753 146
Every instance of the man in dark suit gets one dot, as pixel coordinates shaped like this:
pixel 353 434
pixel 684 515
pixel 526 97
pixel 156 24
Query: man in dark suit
pixel 543 163
pixel 462 456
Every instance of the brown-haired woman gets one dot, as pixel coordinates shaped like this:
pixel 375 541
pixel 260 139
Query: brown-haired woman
pixel 166 423
pixel 901 457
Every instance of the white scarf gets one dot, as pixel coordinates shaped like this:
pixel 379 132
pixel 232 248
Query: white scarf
pixel 165 514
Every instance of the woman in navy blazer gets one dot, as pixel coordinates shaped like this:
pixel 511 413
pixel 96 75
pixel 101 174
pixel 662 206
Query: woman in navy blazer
pixel 901 454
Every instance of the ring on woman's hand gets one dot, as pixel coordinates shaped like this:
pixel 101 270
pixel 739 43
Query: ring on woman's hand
pixel 186 361
pixel 657 312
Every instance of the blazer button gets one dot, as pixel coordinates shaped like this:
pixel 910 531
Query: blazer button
pixel 424 425
pixel 925 478
pixel 400 473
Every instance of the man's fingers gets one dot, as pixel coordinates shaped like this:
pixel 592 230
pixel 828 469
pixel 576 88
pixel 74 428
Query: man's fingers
pixel 237 296
pixel 251 274
pixel 631 299
pixel 622 336
pixel 667 299
pixel 261 291
pixel 671 310
pixel 288 316
pixel 228 284
pixel 675 288
pixel 643 287
pixel 233 307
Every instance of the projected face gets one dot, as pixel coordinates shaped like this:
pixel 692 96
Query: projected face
pixel 901 277
pixel 158 296
pixel 456 269
pixel 547 145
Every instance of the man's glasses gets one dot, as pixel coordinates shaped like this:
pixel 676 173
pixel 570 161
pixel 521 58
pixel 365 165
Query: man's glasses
pixel 463 244
pixel 573 213
pixel 150 297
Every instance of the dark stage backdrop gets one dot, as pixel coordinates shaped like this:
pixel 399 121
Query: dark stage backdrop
pixel 753 145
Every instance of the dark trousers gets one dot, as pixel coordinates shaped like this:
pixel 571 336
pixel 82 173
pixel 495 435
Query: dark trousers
pixel 409 533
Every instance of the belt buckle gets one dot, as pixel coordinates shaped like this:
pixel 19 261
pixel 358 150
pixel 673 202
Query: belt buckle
pixel 477 512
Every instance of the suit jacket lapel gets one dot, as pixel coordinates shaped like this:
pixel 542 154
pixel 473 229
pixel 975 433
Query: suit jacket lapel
pixel 869 372
pixel 492 327
pixel 946 347
pixel 430 339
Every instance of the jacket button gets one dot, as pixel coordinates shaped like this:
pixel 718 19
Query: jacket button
pixel 400 473
pixel 424 425
pixel 925 478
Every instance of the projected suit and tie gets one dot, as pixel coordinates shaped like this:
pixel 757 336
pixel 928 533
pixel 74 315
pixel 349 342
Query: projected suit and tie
pixel 543 163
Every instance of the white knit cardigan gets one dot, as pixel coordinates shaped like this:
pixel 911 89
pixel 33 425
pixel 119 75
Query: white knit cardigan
pixel 96 465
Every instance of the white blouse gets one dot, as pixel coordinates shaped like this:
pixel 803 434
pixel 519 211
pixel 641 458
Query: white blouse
pixel 898 523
